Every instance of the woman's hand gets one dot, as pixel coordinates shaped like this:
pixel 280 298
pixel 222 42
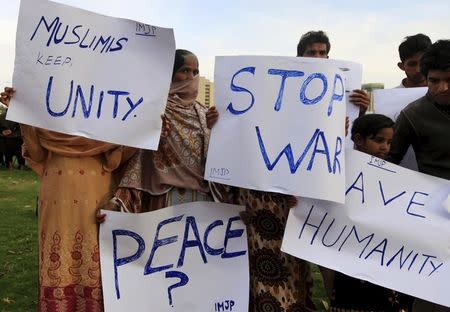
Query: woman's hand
pixel 100 217
pixel 5 97
pixel 212 115
pixel 291 201
pixel 111 205
pixel 166 127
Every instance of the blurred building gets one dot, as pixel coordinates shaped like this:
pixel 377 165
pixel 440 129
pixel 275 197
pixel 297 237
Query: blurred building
pixel 206 92
pixel 369 87
pixel 372 86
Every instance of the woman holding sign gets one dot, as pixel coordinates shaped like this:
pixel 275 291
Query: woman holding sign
pixel 76 177
pixel 174 173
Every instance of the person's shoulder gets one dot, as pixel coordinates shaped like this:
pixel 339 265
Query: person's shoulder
pixel 417 111
pixel 417 105
pixel 401 85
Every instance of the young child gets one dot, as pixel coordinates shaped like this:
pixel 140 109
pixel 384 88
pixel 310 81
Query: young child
pixel 372 134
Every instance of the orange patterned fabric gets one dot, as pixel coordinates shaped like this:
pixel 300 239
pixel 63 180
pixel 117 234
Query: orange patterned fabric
pixel 40 144
pixel 69 262
pixel 76 178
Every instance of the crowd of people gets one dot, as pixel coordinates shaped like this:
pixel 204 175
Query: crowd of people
pixel 10 143
pixel 79 176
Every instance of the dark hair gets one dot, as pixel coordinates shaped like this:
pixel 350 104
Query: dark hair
pixel 312 37
pixel 412 45
pixel 179 59
pixel 369 125
pixel 436 57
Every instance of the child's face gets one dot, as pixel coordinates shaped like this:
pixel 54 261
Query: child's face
pixel 378 145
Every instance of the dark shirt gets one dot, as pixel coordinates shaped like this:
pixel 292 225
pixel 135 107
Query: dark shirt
pixel 426 126
pixel 357 295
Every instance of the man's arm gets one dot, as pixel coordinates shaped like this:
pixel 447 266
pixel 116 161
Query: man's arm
pixel 361 99
pixel 404 136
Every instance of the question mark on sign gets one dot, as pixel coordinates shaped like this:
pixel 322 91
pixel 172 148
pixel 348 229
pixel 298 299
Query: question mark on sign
pixel 184 279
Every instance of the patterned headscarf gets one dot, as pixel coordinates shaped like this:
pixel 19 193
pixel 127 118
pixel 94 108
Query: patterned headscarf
pixel 181 157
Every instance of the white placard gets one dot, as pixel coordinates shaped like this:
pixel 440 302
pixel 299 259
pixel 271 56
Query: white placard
pixel 281 126
pixel 353 77
pixel 393 230
pixel 189 257
pixel 86 74
pixel 390 102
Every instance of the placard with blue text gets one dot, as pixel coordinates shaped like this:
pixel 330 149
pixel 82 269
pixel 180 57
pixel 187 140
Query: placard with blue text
pixel 281 126
pixel 189 257
pixel 91 75
pixel 394 229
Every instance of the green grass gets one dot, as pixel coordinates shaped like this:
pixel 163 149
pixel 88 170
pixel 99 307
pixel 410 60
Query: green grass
pixel 319 295
pixel 18 241
pixel 19 247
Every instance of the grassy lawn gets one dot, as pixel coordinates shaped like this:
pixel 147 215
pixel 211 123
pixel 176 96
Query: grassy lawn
pixel 18 241
pixel 319 295
pixel 19 249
